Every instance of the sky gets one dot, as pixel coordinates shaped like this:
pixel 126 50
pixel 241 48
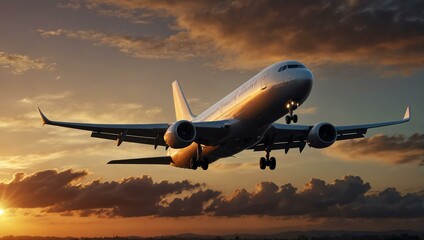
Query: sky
pixel 105 61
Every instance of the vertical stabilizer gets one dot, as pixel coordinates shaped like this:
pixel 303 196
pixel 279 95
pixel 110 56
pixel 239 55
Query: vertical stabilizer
pixel 182 110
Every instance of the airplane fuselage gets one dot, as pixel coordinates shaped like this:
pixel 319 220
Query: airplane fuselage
pixel 251 108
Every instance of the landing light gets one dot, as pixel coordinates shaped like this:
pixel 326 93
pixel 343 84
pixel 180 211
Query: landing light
pixel 288 105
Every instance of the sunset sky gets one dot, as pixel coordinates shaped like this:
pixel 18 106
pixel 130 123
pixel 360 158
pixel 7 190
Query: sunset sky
pixel 106 61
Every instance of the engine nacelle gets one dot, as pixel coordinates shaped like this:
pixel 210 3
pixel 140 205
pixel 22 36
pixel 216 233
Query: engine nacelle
pixel 322 135
pixel 180 134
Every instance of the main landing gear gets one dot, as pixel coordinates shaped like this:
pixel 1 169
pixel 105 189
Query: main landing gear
pixel 291 106
pixel 267 161
pixel 198 161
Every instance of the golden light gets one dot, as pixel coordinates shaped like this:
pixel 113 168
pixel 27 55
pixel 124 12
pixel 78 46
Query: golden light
pixel 1 211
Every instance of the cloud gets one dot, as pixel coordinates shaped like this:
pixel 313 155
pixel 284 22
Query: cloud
pixel 63 192
pixel 24 161
pixel 343 198
pixel 45 98
pixel 178 46
pixel 41 189
pixel 251 34
pixel 396 149
pixel 19 64
pixel 73 111
pixel 309 111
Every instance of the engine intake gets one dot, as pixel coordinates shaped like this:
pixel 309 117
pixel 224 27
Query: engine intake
pixel 180 134
pixel 322 135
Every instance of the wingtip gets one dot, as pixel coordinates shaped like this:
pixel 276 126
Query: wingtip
pixel 407 115
pixel 43 117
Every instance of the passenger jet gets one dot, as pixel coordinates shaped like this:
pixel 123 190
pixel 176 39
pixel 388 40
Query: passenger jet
pixel 243 120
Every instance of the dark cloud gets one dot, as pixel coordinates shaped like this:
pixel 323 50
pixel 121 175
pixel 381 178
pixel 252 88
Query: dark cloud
pixel 246 34
pixel 41 189
pixel 343 198
pixel 58 192
pixel 393 149
pixel 191 205
pixel 63 193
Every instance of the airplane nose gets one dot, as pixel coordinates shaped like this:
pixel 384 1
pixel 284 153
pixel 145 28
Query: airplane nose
pixel 304 79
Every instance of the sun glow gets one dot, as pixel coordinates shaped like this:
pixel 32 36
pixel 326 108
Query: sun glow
pixel 1 211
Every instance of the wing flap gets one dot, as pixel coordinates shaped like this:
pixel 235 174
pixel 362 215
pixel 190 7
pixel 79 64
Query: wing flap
pixel 165 160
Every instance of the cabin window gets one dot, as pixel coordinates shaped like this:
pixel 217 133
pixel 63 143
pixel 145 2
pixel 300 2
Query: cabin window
pixel 292 66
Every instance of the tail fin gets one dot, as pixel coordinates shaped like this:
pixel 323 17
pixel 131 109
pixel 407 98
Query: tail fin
pixel 182 110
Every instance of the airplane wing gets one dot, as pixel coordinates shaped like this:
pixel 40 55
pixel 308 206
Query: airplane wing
pixel 151 134
pixel 282 136
pixel 166 160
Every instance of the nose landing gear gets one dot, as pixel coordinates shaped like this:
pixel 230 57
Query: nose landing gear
pixel 291 106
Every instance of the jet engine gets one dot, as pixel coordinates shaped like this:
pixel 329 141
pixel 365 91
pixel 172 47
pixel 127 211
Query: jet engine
pixel 180 134
pixel 322 135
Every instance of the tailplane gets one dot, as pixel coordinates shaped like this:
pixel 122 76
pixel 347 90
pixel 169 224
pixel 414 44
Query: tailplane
pixel 182 110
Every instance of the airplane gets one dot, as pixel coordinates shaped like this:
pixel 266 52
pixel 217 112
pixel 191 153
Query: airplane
pixel 243 120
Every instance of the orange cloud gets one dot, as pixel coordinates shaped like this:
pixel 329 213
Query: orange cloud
pixel 251 34
pixel 392 149
pixel 19 64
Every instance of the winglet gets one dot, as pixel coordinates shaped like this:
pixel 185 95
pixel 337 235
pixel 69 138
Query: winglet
pixel 44 118
pixel 407 115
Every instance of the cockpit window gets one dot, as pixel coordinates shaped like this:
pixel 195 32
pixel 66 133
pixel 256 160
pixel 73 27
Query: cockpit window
pixel 291 66
pixel 282 68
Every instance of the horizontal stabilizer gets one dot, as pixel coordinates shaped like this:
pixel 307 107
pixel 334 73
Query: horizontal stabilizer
pixel 166 160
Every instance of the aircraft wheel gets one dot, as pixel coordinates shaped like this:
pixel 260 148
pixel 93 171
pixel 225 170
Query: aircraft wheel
pixel 205 164
pixel 272 163
pixel 262 163
pixel 295 118
pixel 288 119
pixel 193 164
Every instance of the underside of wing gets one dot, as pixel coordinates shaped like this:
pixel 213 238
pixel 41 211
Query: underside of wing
pixel 207 133
pixel 357 131
pixel 282 136
pixel 151 134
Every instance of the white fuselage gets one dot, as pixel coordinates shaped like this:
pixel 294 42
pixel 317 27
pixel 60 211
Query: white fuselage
pixel 252 107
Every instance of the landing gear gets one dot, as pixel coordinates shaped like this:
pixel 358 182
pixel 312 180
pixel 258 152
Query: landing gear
pixel 291 106
pixel 262 163
pixel 271 162
pixel 193 163
pixel 198 161
pixel 205 164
